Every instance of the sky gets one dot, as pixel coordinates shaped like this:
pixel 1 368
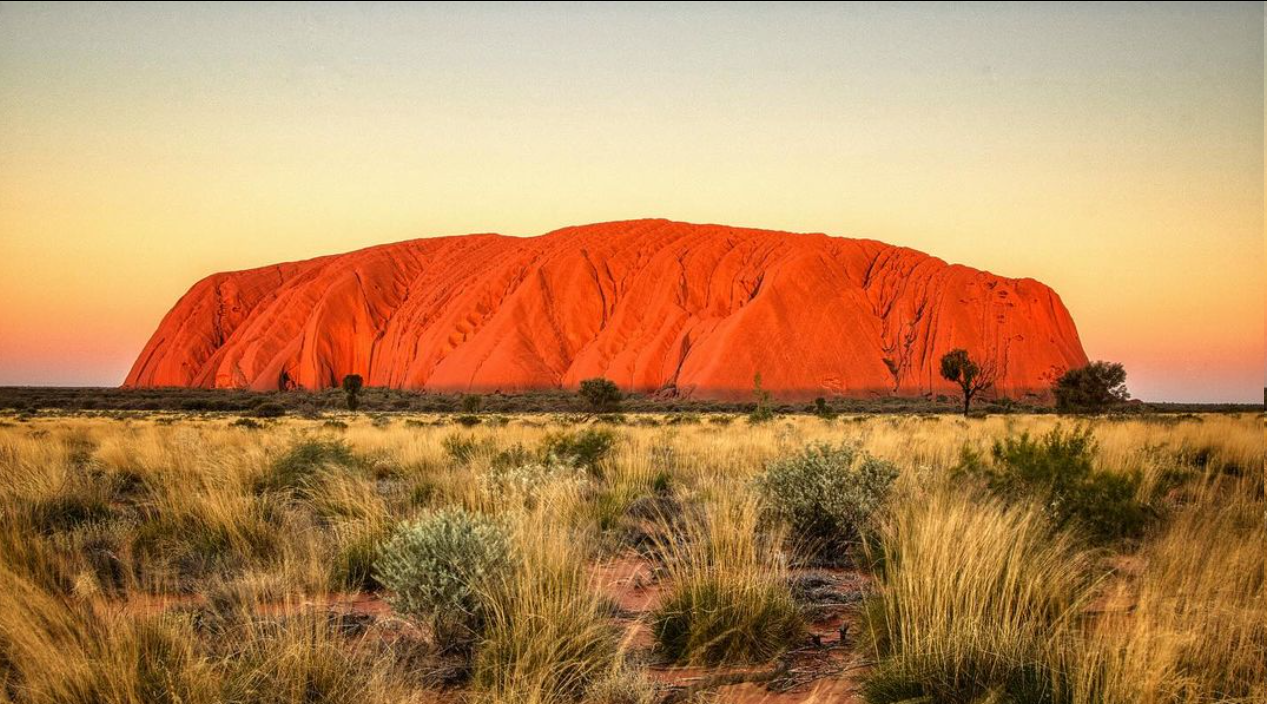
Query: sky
pixel 1112 151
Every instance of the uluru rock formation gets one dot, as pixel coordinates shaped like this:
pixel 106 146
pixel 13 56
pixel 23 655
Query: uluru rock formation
pixel 656 306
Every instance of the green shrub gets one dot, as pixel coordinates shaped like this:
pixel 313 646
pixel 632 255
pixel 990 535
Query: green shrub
pixel 464 448
pixel 467 420
pixel 684 419
pixel 425 492
pixel 270 409
pixel 246 424
pixel 472 403
pixel 438 569
pixel 761 414
pixel 899 681
pixel 188 546
pixel 1097 387
pixel 303 462
pixel 1059 470
pixel 602 395
pixel 523 483
pixel 513 456
pixel 1105 506
pixel 827 495
pixel 586 448
pixel 823 410
pixel 352 385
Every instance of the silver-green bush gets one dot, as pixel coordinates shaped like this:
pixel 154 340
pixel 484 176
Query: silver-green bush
pixel 523 484
pixel 827 495
pixel 438 569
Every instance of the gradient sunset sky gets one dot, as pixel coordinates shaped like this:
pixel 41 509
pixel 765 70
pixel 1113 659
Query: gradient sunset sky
pixel 1112 151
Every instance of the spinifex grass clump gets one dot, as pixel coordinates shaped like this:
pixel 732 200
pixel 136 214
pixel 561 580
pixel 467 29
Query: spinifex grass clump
pixel 303 659
pixel 82 501
pixel 183 540
pixel 549 636
pixel 303 462
pixel 1058 470
pixel 729 601
pixel 975 601
pixel 585 448
pixel 826 495
pixel 55 650
pixel 462 448
pixel 358 545
pixel 1196 629
pixel 439 570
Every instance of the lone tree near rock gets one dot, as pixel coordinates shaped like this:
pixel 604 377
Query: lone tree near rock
pixel 472 403
pixel 352 387
pixel 1091 389
pixel 602 394
pixel 763 412
pixel 823 410
pixel 971 377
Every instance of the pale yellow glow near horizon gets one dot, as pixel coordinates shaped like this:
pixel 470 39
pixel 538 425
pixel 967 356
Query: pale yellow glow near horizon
pixel 1115 154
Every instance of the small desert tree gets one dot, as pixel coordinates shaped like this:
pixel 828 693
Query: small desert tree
pixel 472 403
pixel 1090 389
pixel 602 394
pixel 972 378
pixel 822 409
pixel 763 411
pixel 352 384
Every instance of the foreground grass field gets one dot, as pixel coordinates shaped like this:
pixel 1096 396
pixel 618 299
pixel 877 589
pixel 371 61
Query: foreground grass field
pixel 413 558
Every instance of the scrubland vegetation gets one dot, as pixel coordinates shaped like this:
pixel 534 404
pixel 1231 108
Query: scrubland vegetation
pixel 632 559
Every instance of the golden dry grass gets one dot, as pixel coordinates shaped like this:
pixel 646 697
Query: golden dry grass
pixel 729 599
pixel 977 599
pixel 98 515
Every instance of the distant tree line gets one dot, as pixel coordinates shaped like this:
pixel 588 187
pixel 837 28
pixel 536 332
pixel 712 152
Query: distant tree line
pixel 1094 388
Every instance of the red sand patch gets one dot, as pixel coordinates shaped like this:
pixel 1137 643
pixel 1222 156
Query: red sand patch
pixel 827 672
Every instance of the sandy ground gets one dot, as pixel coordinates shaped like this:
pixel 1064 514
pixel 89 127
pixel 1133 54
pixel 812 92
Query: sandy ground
pixel 823 669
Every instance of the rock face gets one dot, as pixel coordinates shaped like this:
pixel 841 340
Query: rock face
pixel 656 306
